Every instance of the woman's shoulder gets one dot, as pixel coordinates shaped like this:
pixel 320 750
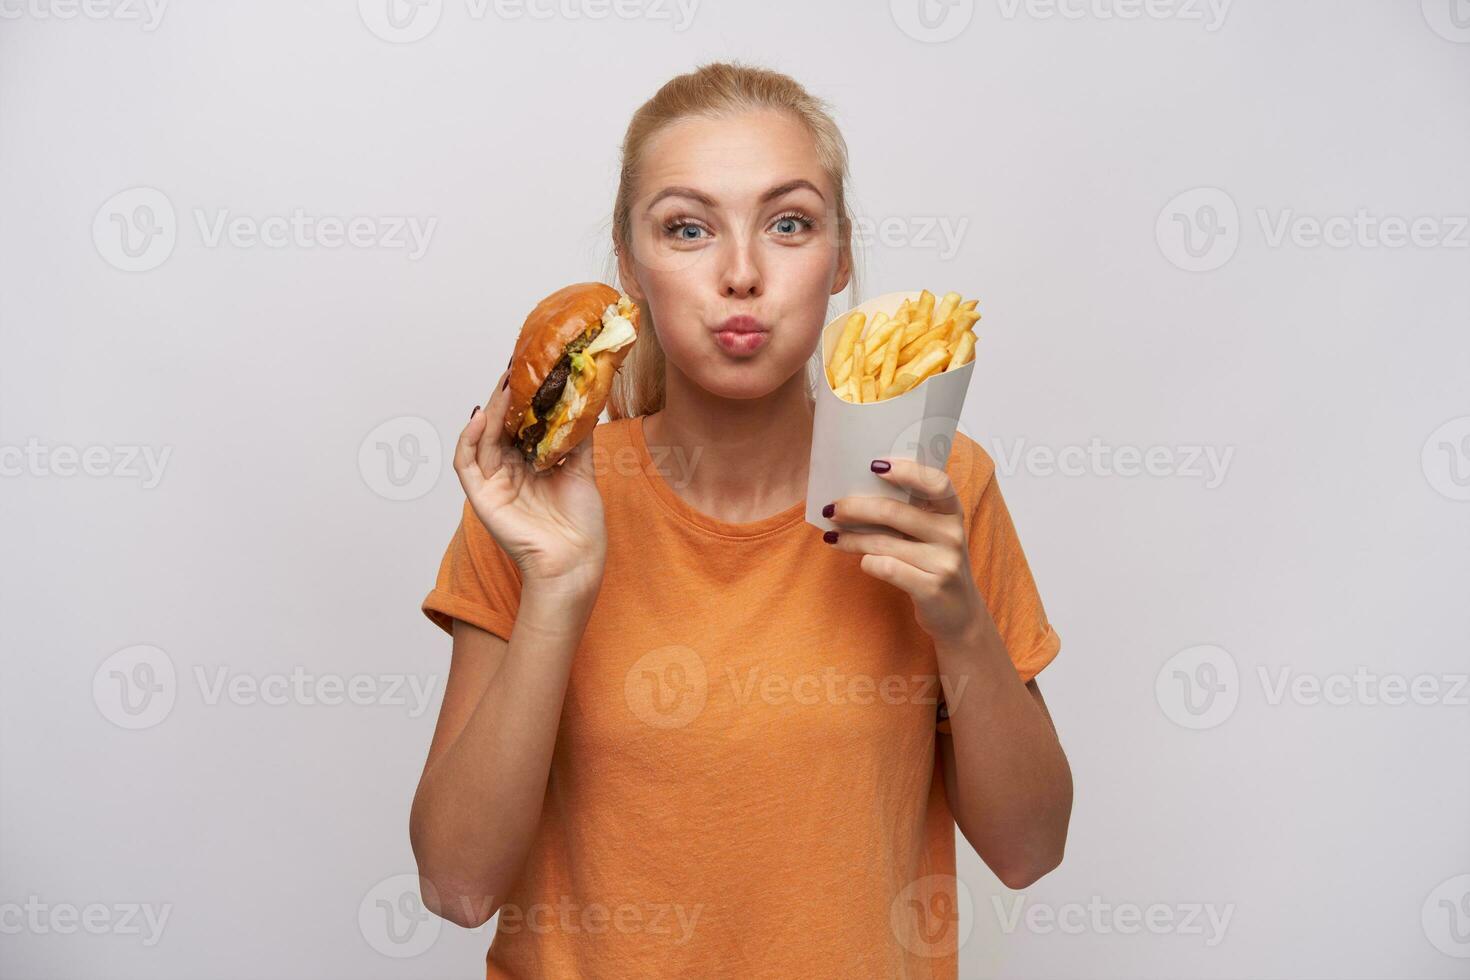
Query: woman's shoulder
pixel 608 433
pixel 615 447
pixel 970 468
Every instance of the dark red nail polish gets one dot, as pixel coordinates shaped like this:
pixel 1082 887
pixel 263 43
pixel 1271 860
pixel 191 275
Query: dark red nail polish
pixel 474 411
pixel 881 466
pixel 829 510
pixel 829 536
pixel 506 382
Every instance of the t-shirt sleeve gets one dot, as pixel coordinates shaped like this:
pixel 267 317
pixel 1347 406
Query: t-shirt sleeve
pixel 477 581
pixel 1003 575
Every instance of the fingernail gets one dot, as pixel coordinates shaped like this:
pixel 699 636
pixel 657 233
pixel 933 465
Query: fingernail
pixel 506 382
pixel 881 466
pixel 474 411
pixel 829 510
pixel 829 536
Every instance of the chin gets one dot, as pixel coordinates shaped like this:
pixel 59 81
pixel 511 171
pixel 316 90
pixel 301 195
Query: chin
pixel 745 381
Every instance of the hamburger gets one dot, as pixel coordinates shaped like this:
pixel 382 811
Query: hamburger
pixel 561 372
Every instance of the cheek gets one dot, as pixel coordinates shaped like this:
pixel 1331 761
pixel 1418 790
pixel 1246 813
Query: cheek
pixel 805 284
pixel 674 317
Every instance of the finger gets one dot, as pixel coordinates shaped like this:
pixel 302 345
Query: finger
pixel 902 516
pixel 465 463
pixel 896 572
pixel 492 449
pixel 925 557
pixel 929 484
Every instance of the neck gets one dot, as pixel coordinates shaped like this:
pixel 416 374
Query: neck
pixel 735 459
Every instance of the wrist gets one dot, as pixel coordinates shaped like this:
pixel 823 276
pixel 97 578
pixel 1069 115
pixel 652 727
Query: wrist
pixel 560 603
pixel 978 645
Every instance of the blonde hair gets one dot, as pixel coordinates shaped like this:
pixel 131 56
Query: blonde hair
pixel 714 90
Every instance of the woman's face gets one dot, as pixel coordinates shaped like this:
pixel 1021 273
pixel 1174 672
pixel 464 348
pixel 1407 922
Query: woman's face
pixel 731 218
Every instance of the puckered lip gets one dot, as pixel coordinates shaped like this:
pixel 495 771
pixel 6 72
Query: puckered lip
pixel 743 324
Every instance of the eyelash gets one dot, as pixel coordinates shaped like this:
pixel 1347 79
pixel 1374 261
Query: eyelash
pixel 672 226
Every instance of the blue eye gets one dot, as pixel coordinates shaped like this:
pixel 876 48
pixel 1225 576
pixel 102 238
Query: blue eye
pixel 792 223
pixel 678 227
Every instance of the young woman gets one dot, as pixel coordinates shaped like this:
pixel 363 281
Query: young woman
pixel 685 733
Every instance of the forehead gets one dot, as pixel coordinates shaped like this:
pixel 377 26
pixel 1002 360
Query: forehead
pixel 733 158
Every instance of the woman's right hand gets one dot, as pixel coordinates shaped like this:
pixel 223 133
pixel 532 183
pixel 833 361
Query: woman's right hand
pixel 550 524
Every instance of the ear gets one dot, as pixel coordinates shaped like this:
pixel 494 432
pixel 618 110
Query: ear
pixel 844 270
pixel 627 274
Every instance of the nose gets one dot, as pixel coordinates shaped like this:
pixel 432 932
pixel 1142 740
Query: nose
pixel 741 277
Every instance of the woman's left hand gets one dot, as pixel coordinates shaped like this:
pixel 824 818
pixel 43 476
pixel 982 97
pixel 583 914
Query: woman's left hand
pixel 923 549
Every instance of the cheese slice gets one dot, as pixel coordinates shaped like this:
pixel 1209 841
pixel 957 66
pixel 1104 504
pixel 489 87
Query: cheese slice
pixel 527 420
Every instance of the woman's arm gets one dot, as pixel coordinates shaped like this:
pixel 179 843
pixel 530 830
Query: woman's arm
pixel 479 798
pixel 1007 778
pixel 1009 785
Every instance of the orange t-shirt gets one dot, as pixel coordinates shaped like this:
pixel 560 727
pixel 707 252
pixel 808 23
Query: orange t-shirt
pixel 745 781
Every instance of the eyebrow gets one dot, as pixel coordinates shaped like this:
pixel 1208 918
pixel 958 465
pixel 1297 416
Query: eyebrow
pixel 770 195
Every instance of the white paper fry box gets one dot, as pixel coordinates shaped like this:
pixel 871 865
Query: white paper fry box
pixel 920 424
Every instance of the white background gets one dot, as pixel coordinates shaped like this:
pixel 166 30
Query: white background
pixel 1053 143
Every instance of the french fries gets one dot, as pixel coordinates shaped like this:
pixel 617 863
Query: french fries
pixel 887 356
